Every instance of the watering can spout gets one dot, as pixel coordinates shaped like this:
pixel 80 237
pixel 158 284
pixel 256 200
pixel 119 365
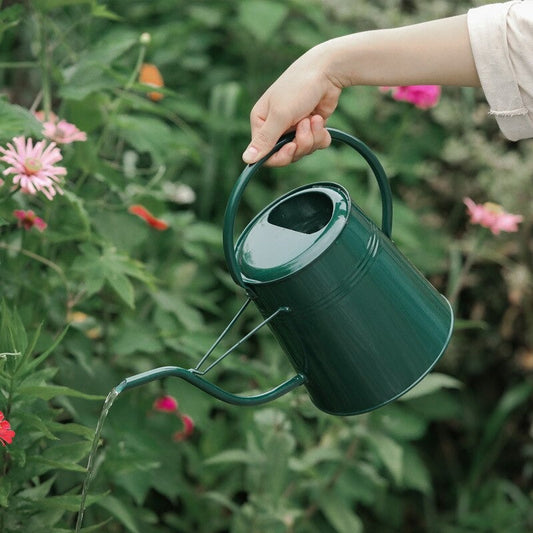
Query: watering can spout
pixel 195 379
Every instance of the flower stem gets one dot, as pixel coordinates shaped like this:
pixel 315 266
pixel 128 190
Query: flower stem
pixel 116 104
pixel 455 289
pixel 45 71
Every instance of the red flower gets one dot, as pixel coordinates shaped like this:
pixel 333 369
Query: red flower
pixel 187 431
pixel 27 220
pixel 166 404
pixel 6 433
pixel 142 212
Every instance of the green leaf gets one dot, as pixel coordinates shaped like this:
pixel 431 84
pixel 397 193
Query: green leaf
pixel 38 492
pixel 135 337
pixel 92 72
pixel 123 287
pixel 146 134
pixel 69 502
pixel 13 338
pixel 390 453
pixel 234 456
pixel 430 384
pixel 5 491
pixel 111 266
pixel 339 514
pixel 46 5
pixel 415 473
pixel 514 398
pixel 10 16
pixel 400 422
pixel 34 422
pixel 15 121
pixel 262 18
pixel 186 314
pixel 315 456
pixel 101 11
pixel 73 429
pixel 120 512
pixel 47 392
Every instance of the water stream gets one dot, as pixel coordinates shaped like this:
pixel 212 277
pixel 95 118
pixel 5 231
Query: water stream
pixel 92 455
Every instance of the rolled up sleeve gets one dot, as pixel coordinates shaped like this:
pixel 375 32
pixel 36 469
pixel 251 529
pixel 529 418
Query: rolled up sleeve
pixel 501 36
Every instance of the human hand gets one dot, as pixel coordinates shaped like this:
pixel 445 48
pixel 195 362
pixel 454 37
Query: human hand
pixel 301 99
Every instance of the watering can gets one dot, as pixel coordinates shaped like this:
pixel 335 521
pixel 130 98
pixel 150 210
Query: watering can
pixel 358 322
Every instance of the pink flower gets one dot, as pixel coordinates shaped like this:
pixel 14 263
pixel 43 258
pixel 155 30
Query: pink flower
pixel 63 132
pixel 34 166
pixel 166 404
pixel 60 131
pixel 187 431
pixel 6 433
pixel 421 96
pixel 41 116
pixel 492 216
pixel 27 220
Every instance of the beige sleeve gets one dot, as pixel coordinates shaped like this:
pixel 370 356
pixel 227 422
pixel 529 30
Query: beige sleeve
pixel 501 36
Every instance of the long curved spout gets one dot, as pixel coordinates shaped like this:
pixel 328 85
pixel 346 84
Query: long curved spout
pixel 210 388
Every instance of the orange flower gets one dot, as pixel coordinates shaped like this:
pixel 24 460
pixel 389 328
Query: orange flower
pixel 150 75
pixel 142 212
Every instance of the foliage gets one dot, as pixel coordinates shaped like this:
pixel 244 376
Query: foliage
pixel 454 455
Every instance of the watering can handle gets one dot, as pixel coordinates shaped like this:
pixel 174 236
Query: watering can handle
pixel 250 170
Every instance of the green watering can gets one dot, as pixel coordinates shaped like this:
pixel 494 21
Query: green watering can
pixel 360 325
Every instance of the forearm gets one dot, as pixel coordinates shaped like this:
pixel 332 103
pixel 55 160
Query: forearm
pixel 431 53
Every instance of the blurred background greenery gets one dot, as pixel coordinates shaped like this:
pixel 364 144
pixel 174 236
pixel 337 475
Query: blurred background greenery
pixel 453 456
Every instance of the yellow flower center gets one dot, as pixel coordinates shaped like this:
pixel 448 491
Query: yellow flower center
pixel 32 165
pixel 496 209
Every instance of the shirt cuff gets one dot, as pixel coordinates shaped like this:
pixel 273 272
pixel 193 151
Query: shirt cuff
pixel 487 27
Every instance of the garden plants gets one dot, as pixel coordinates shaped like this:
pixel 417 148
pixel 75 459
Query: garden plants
pixel 121 129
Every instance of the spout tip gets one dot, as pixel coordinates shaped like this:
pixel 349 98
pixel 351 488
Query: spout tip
pixel 121 386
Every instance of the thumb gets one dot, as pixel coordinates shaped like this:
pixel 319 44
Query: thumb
pixel 263 140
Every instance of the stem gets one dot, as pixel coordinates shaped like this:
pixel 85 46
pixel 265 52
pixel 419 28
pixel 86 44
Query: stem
pixel 45 64
pixel 116 104
pixel 465 269
pixel 37 257
pixel 19 64
pixel 350 453
pixel 10 194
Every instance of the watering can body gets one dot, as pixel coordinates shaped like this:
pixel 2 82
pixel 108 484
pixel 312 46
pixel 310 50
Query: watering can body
pixel 358 322
pixel 361 323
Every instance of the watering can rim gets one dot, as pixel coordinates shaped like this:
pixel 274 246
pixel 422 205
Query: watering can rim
pixel 313 246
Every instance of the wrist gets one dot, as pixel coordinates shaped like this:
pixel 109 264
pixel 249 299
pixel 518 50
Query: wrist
pixel 342 58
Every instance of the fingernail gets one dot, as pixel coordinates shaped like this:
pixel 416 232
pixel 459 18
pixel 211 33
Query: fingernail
pixel 250 154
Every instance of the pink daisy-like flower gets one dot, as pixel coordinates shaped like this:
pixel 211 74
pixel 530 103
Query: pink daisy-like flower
pixel 166 404
pixel 492 216
pixel 27 220
pixel 34 167
pixel 41 116
pixel 63 132
pixel 59 131
pixel 421 96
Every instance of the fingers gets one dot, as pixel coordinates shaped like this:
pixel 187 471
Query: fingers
pixel 267 127
pixel 311 135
